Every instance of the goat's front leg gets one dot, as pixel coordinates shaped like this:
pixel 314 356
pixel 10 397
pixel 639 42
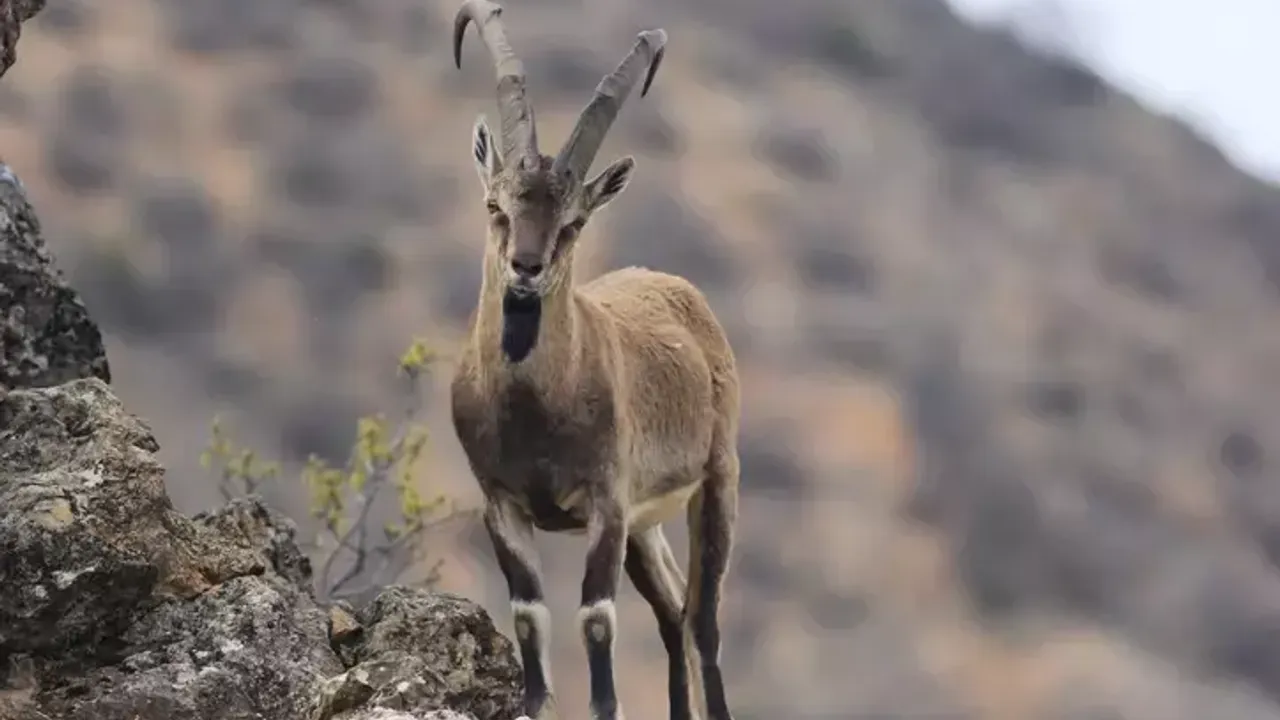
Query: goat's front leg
pixel 511 532
pixel 606 548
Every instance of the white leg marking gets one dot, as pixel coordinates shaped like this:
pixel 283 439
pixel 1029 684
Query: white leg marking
pixel 600 610
pixel 607 611
pixel 539 618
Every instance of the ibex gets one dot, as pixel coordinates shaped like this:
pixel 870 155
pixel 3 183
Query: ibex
pixel 603 408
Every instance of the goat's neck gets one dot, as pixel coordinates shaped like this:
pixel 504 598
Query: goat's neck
pixel 554 359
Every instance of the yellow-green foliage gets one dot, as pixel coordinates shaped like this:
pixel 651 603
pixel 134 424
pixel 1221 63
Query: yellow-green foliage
pixel 240 471
pixel 375 454
pixel 383 457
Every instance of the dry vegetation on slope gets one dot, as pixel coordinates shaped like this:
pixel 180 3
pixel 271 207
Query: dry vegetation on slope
pixel 1007 337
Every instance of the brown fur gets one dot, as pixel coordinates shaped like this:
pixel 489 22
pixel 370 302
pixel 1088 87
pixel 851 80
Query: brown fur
pixel 632 377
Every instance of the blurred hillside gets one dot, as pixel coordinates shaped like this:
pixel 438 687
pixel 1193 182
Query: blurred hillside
pixel 1009 340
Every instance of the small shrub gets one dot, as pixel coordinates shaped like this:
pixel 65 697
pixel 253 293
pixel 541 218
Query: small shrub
pixel 800 153
pixel 240 472
pixel 845 49
pixel 351 556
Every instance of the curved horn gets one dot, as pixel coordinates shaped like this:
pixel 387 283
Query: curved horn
pixel 515 114
pixel 583 144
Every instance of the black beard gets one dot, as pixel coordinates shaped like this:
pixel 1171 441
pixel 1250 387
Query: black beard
pixel 521 315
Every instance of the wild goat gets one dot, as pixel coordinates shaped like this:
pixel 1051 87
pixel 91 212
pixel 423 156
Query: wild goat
pixel 606 407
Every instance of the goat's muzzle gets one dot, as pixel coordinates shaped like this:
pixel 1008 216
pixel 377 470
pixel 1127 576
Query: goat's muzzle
pixel 521 289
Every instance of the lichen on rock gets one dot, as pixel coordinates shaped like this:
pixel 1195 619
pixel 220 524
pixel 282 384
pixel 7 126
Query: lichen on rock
pixel 466 660
pixel 114 606
pixel 250 648
pixel 88 534
pixel 46 334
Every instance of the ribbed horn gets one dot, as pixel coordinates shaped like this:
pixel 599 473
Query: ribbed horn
pixel 593 124
pixel 518 129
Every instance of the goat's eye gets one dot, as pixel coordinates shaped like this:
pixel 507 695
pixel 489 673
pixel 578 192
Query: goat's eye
pixel 570 231
pixel 495 212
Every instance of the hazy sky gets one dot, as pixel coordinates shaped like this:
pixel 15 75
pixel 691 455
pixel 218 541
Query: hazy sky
pixel 1217 63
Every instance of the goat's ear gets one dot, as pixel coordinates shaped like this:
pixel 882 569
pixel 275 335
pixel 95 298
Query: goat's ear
pixel 606 186
pixel 484 153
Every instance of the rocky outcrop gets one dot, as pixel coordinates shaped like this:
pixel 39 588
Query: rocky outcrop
pixel 46 334
pixel 85 510
pixel 12 14
pixel 416 654
pixel 114 606
pixel 401 663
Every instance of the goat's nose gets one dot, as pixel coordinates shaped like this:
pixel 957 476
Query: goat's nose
pixel 527 267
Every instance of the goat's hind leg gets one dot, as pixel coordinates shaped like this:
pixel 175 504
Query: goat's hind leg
pixel 713 510
pixel 512 536
pixel 657 577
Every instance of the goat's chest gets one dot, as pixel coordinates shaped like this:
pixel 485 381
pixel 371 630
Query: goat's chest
pixel 542 448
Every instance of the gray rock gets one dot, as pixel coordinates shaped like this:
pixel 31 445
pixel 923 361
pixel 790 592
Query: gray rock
pixel 469 665
pixel 46 335
pixel 114 606
pixel 385 714
pixel 269 536
pixel 393 680
pixel 88 536
pixel 254 647
pixel 12 14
